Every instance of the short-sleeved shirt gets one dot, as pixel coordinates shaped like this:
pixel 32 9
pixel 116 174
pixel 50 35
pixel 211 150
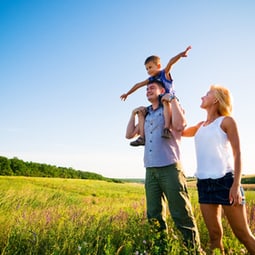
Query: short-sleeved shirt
pixel 159 151
pixel 168 84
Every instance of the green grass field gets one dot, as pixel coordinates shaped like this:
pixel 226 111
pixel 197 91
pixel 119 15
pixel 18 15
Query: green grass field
pixel 67 216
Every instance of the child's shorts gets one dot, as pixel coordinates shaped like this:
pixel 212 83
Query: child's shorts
pixel 216 191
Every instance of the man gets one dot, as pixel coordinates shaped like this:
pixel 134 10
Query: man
pixel 165 179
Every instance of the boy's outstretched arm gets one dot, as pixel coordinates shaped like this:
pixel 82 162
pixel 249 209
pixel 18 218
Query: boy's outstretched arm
pixel 173 60
pixel 134 88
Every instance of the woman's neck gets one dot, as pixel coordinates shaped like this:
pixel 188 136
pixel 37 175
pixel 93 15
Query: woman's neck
pixel 211 118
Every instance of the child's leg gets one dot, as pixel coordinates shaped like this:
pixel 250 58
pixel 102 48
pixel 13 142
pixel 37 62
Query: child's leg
pixel 140 140
pixel 167 114
pixel 141 123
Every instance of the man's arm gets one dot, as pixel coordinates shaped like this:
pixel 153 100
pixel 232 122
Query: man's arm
pixel 173 60
pixel 178 117
pixel 133 89
pixel 178 120
pixel 132 128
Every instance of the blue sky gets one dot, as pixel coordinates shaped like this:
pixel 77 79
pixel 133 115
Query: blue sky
pixel 65 63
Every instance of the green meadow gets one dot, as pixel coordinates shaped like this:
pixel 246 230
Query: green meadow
pixel 71 216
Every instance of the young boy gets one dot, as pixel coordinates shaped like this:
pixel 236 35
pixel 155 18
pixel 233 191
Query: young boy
pixel 153 67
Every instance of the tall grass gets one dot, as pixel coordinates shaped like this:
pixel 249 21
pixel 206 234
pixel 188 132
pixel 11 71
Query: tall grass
pixel 65 216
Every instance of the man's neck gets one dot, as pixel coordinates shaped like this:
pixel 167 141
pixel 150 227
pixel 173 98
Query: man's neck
pixel 155 105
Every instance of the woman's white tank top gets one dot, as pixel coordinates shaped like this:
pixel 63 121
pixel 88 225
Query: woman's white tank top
pixel 213 151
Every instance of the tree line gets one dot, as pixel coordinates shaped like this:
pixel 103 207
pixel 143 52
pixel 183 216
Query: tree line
pixel 18 167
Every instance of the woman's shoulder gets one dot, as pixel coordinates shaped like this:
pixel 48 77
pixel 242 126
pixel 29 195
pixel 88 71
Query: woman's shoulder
pixel 227 119
pixel 227 122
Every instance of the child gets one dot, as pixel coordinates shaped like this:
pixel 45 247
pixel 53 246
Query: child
pixel 153 67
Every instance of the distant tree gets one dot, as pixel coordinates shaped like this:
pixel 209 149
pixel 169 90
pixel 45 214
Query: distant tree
pixel 19 167
pixel 34 169
pixel 5 168
pixel 248 180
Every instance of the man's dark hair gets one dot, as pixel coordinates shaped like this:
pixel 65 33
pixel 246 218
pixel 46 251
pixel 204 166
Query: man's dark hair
pixel 160 83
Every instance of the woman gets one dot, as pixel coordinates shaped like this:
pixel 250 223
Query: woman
pixel 219 169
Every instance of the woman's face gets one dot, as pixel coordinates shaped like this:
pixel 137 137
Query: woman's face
pixel 208 99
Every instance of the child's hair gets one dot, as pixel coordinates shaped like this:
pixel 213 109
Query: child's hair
pixel 154 59
pixel 224 97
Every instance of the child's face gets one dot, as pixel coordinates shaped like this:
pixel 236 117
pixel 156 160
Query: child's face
pixel 152 68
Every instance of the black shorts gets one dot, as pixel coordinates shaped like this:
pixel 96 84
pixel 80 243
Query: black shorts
pixel 216 191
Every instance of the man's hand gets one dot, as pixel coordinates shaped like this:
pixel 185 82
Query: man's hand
pixel 166 97
pixel 140 110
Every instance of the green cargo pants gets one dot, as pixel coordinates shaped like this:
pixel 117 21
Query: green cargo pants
pixel 169 183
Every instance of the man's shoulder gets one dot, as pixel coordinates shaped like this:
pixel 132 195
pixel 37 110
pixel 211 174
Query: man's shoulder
pixel 150 109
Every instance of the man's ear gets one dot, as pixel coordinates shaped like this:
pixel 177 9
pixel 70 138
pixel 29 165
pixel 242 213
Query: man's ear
pixel 163 91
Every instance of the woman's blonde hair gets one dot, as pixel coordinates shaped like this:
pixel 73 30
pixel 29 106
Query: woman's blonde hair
pixel 224 98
